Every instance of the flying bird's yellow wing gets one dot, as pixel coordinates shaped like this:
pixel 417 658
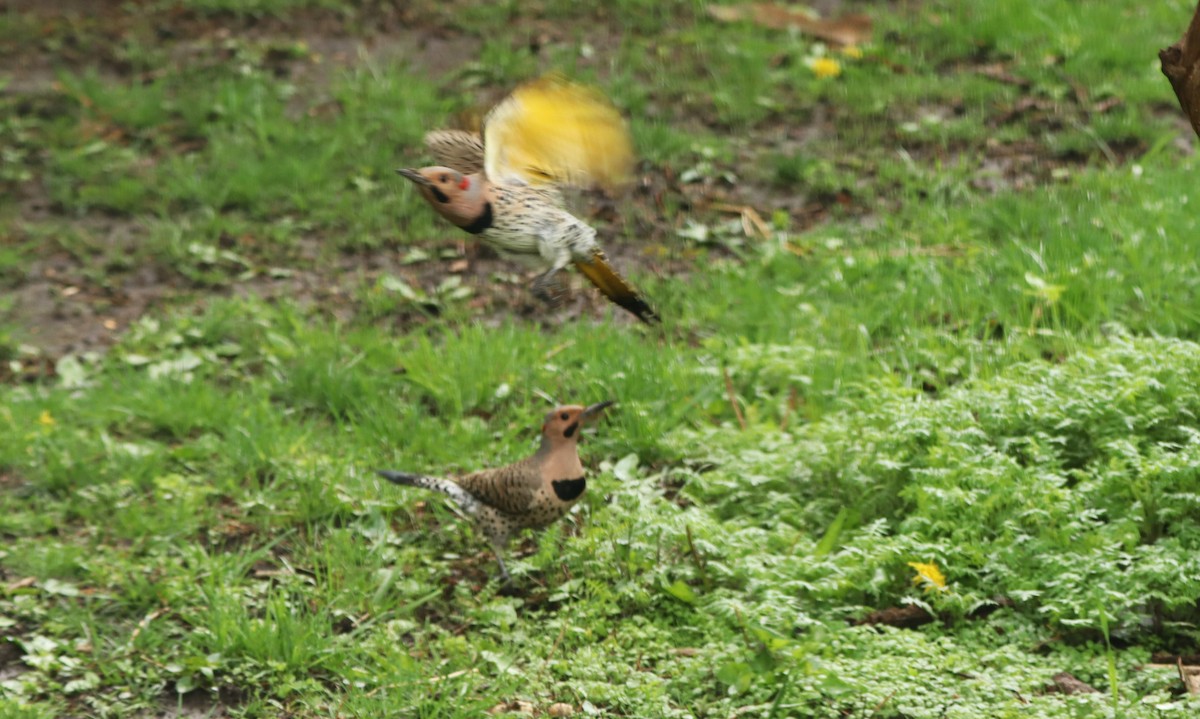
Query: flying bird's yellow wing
pixel 551 131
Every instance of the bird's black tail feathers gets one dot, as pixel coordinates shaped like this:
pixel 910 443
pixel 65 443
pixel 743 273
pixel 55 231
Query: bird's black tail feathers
pixel 468 503
pixel 405 478
pixel 605 278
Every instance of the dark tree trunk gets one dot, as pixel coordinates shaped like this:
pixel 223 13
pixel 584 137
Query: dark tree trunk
pixel 1181 65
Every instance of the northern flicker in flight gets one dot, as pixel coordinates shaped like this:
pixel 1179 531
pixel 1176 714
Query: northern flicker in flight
pixel 530 494
pixel 506 185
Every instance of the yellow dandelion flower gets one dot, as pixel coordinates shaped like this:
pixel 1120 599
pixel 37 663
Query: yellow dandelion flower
pixel 853 52
pixel 46 419
pixel 824 67
pixel 929 575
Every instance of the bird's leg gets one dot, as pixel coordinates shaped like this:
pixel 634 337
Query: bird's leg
pixel 548 287
pixel 498 538
pixel 505 577
pixel 508 588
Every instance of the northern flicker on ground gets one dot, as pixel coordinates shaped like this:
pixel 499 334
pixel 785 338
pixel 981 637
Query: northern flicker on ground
pixel 506 185
pixel 529 494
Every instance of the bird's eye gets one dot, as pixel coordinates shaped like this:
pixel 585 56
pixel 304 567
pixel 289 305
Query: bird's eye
pixel 442 179
pixel 565 416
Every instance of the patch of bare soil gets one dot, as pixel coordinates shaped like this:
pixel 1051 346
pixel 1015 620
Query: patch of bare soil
pixel 67 303
pixel 64 308
pixel 198 704
pixel 70 303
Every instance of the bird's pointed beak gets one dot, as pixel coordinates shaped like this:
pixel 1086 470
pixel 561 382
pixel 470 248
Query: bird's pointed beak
pixel 591 412
pixel 415 176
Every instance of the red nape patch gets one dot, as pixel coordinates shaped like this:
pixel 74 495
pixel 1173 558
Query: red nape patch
pixel 466 182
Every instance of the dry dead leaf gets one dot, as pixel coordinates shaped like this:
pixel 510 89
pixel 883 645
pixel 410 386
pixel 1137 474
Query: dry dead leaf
pixel 850 29
pixel 1065 683
pixel 513 707
pixel 751 220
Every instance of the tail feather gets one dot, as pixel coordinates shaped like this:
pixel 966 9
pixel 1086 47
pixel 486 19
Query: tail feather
pixel 452 490
pixel 615 288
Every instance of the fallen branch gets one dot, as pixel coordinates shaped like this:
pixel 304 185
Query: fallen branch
pixel 1190 676
pixel 909 616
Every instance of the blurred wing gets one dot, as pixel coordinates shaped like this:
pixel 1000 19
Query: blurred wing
pixel 554 132
pixel 457 149
pixel 615 288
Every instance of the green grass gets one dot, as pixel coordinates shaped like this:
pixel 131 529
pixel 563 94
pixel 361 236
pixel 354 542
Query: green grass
pixel 970 339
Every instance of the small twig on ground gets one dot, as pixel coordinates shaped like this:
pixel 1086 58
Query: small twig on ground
pixel 737 411
pixel 555 350
pixel 150 660
pixel 882 703
pixel 793 401
pixel 699 561
pixel 451 675
pixel 554 647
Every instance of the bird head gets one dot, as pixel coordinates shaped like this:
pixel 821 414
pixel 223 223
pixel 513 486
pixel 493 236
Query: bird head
pixel 457 197
pixel 562 424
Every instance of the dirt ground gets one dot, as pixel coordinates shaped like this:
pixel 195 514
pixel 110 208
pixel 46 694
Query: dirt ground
pixel 62 304
pixel 62 309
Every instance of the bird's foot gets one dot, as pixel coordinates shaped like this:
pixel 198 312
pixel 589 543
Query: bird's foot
pixel 509 588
